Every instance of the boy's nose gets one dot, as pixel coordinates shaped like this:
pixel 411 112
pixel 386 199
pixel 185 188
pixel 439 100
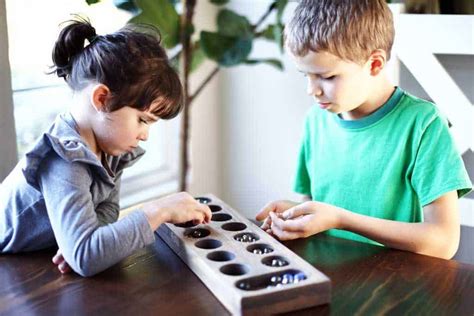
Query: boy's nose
pixel 314 89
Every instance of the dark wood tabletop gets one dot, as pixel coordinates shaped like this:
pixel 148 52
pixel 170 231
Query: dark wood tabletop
pixel 366 280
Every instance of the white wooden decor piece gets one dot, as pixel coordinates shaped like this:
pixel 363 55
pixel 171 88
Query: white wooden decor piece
pixel 249 271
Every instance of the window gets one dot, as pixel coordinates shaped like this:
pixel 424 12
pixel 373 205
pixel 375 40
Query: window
pixel 38 97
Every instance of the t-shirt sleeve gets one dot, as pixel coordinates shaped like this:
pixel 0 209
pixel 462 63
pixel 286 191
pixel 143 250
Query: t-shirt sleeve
pixel 438 167
pixel 302 181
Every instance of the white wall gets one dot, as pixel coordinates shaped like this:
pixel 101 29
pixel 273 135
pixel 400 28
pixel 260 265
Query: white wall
pixel 205 125
pixel 262 114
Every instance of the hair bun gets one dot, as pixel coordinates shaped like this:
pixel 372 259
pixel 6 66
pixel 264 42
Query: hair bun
pixel 70 43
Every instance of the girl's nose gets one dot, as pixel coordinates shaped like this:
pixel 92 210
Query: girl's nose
pixel 144 134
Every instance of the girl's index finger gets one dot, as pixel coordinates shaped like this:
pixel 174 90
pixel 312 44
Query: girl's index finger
pixel 207 212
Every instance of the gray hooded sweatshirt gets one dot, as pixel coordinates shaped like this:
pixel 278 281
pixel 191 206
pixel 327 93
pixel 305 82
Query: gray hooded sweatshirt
pixel 61 195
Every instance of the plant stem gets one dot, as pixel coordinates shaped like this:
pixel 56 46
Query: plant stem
pixel 186 22
pixel 264 16
pixel 204 83
pixel 186 57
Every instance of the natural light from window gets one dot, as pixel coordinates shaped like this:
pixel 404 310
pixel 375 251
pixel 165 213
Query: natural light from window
pixel 33 27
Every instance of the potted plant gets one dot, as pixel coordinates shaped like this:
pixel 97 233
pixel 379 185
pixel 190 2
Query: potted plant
pixel 229 46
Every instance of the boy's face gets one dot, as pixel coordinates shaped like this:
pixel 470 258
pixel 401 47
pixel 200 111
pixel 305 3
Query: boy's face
pixel 339 86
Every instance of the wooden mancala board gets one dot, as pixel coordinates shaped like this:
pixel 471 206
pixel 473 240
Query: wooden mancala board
pixel 249 271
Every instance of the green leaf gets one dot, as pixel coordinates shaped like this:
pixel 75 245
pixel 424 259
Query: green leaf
pixel 219 2
pixel 230 23
pixel 127 5
pixel 89 2
pixel 269 32
pixel 280 6
pixel 198 57
pixel 163 15
pixel 226 50
pixel 270 61
pixel 278 35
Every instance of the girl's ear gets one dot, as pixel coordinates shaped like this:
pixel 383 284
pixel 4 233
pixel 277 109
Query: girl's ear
pixel 99 96
pixel 377 61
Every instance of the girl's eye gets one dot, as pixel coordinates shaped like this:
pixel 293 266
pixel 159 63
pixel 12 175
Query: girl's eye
pixel 143 121
pixel 329 78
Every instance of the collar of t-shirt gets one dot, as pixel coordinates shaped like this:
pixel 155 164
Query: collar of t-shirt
pixel 373 117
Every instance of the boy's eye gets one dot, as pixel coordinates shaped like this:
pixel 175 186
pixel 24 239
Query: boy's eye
pixel 142 121
pixel 329 78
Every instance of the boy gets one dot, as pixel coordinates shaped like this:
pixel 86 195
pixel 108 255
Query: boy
pixel 376 164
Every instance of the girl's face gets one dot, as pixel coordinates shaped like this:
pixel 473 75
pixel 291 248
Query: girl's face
pixel 339 86
pixel 121 131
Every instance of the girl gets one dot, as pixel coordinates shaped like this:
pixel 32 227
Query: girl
pixel 65 191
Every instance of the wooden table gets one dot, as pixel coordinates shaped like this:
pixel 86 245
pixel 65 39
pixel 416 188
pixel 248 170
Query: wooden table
pixel 366 280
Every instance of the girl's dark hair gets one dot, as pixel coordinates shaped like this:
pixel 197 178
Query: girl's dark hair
pixel 130 62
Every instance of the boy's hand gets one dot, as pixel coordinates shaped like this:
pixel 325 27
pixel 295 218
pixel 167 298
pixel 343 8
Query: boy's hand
pixel 276 207
pixel 304 220
pixel 58 260
pixel 176 208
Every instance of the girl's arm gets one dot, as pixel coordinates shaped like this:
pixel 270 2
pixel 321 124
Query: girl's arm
pixel 437 236
pixel 108 211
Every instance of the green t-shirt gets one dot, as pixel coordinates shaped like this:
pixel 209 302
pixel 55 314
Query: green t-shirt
pixel 388 164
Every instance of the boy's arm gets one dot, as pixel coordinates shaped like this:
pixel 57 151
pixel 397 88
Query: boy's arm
pixel 437 236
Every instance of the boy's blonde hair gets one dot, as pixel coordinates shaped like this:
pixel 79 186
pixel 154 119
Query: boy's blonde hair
pixel 349 29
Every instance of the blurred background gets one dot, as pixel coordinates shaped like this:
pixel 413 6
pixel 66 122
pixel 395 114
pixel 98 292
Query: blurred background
pixel 247 122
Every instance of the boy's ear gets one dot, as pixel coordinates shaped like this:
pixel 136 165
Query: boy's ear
pixel 99 95
pixel 377 61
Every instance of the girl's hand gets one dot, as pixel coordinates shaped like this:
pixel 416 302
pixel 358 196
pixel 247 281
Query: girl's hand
pixel 58 260
pixel 176 208
pixel 276 207
pixel 304 220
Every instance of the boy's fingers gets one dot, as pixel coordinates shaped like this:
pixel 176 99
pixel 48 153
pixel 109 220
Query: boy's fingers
pixel 289 225
pixel 293 225
pixel 294 212
pixel 266 223
pixel 263 213
pixel 275 219
pixel 283 234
